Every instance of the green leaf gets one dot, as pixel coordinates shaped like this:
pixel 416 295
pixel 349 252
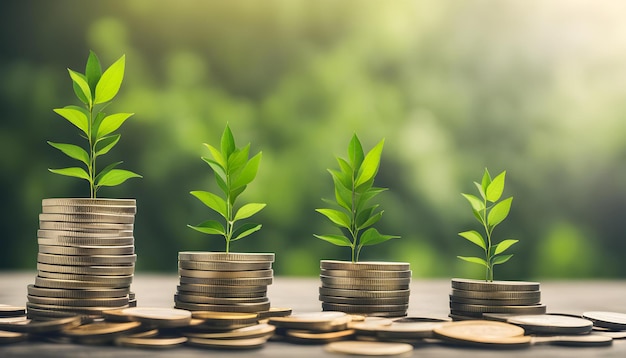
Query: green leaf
pixel 480 190
pixel 110 81
pixel 245 230
pixel 495 188
pixel 212 201
pixel 72 151
pixel 346 173
pixel 79 93
pixel 338 240
pixel 501 259
pixel 111 123
pixel 217 168
pixel 475 238
pixel 116 177
pixel 238 159
pixel 83 87
pixel 248 210
pixel 372 220
pixel 93 71
pixel 367 195
pixel 505 244
pixel 355 152
pixel 210 227
pixel 248 173
pixel 76 116
pixel 485 181
pixel 72 172
pixel 343 195
pixel 370 165
pixel 227 142
pixel 105 144
pixel 217 156
pixel 372 237
pixel 499 212
pixel 107 169
pixel 95 125
pixel 477 204
pixel 475 260
pixel 234 194
pixel 336 216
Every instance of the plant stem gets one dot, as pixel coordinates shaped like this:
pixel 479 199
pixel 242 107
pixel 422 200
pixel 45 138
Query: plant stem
pixel 92 153
pixel 489 273
pixel 353 230
pixel 229 211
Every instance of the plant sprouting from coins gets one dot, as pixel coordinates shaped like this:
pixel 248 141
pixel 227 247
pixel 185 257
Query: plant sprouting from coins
pixel 490 211
pixel 233 170
pixel 353 191
pixel 95 89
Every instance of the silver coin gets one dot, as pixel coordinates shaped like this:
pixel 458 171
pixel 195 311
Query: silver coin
pixel 313 321
pixel 239 307
pixel 42 327
pixel 364 265
pixel 79 302
pixel 69 242
pixel 225 265
pixel 223 256
pixel 78 293
pixel 181 297
pixel 72 284
pixel 88 270
pixel 363 308
pixel 365 301
pixel 497 295
pixel 102 228
pixel 88 201
pixel 89 209
pixel 226 274
pixel 254 331
pixel 87 250
pixel 68 309
pixel 325 291
pixel 11 311
pixel 364 286
pixel 226 282
pixel 552 324
pixel 119 281
pixel 90 234
pixel 88 218
pixel 94 260
pixel 369 348
pixel 410 330
pixel 467 308
pixel 158 316
pixel 476 285
pixel 366 274
pixel 212 289
pixel 500 302
pixel 610 320
pixel 360 281
pixel 222 293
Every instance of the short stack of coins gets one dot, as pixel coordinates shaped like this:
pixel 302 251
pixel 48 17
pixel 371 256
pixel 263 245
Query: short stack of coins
pixel 86 257
pixel 224 282
pixel 471 298
pixel 367 288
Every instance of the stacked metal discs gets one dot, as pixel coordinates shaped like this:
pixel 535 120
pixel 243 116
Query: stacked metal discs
pixel 86 257
pixel 369 288
pixel 472 298
pixel 224 282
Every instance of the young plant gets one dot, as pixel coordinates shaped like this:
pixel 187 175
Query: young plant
pixel 490 211
pixel 233 172
pixel 353 190
pixel 95 90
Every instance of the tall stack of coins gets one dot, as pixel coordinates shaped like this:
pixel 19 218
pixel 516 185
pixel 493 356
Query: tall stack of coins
pixel 472 298
pixel 86 257
pixel 368 288
pixel 224 282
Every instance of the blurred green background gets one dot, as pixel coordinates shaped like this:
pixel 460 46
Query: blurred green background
pixel 535 88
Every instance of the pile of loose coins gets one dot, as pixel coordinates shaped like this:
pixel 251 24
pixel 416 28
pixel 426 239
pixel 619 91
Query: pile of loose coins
pixel 224 282
pixel 368 288
pixel 470 299
pixel 86 257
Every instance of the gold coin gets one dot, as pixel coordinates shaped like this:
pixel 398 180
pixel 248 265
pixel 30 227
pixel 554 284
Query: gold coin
pixel 124 270
pixel 100 331
pixel 88 201
pixel 318 337
pixel 223 256
pixel 483 333
pixel 89 209
pixel 12 311
pixel 552 324
pixel 275 312
pixel 88 218
pixel 11 337
pixel 216 301
pixel 366 273
pixel 610 320
pixel 40 327
pixel 87 250
pixel 96 311
pixel 500 302
pixel 224 265
pixel 467 308
pixel 247 343
pixel 585 340
pixel 96 228
pixel 370 325
pixel 225 319
pixel 79 302
pixel 150 342
pixel 363 308
pixel 88 242
pixel 234 307
pixel 365 301
pixel 364 265
pixel 159 317
pixel 411 330
pixel 93 260
pixel 475 285
pixel 226 281
pixel 325 291
pixel 368 348
pixel 497 295
pixel 226 274
pixel 313 321
pixel 75 235
pixel 255 331
pixel 230 290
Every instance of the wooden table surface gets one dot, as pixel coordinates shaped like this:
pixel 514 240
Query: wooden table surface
pixel 428 297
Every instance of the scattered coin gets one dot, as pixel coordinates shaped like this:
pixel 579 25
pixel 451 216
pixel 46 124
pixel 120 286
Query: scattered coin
pixel 11 337
pixel 610 320
pixel 228 320
pixel 12 311
pixel 41 327
pixel 314 321
pixel 552 324
pixel 275 312
pixel 247 343
pixel 158 317
pixel 308 337
pixel 255 331
pixel 100 332
pixel 409 330
pixel 150 342
pixel 482 333
pixel 369 348
pixel 585 340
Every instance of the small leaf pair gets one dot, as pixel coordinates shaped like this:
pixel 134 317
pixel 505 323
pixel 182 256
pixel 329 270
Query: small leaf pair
pixel 233 171
pixel 490 211
pixel 353 190
pixel 95 88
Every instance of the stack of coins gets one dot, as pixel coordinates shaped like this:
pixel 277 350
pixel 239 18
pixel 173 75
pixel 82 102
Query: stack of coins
pixel 224 282
pixel 86 257
pixel 470 299
pixel 367 288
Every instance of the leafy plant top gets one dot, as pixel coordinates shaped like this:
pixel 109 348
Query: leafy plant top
pixel 95 89
pixel 353 191
pixel 490 211
pixel 233 170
